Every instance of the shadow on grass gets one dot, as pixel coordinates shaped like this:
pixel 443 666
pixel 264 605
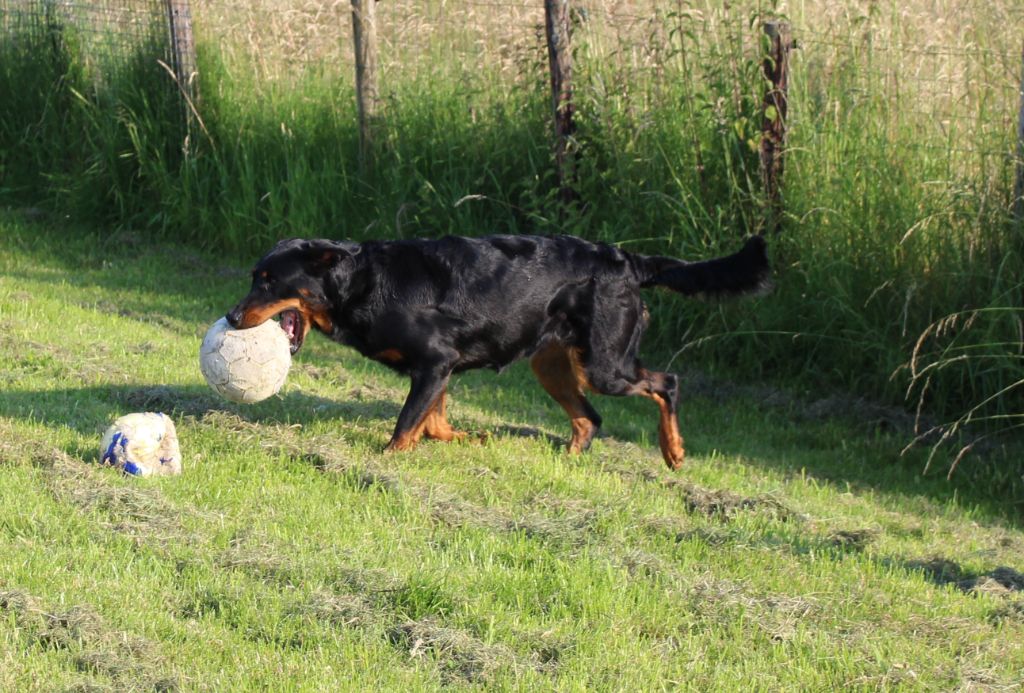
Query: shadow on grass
pixel 95 407
pixel 138 277
pixel 98 405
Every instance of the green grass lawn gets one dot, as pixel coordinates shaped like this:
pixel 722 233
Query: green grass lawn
pixel 792 552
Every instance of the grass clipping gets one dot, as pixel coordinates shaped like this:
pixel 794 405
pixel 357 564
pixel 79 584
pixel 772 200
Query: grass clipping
pixel 129 662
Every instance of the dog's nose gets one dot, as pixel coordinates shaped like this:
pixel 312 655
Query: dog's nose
pixel 234 317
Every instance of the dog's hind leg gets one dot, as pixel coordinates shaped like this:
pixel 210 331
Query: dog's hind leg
pixel 560 372
pixel 663 388
pixel 612 367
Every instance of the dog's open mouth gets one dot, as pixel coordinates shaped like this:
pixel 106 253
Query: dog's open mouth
pixel 291 323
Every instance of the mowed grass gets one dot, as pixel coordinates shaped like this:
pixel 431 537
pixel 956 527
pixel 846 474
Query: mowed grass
pixel 792 552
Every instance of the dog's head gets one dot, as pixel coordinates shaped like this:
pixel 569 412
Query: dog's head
pixel 290 282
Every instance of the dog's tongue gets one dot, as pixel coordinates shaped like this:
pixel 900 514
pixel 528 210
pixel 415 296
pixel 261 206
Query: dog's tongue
pixel 288 324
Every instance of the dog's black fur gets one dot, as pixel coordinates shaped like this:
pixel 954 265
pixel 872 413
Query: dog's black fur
pixel 430 308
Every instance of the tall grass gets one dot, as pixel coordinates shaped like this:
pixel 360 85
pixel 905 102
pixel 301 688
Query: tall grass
pixel 897 187
pixel 95 136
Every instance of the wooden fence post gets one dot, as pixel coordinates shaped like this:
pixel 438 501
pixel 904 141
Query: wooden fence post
pixel 364 36
pixel 54 31
pixel 558 29
pixel 1018 187
pixel 183 60
pixel 183 47
pixel 773 123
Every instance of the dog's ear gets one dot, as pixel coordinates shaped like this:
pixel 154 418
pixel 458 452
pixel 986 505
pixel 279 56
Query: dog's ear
pixel 322 255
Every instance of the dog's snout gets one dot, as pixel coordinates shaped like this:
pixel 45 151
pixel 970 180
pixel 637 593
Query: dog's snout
pixel 234 317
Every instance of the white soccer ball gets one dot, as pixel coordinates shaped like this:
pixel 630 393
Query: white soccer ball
pixel 143 445
pixel 245 365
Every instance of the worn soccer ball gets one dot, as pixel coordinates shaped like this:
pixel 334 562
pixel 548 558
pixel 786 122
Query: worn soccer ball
pixel 144 444
pixel 245 365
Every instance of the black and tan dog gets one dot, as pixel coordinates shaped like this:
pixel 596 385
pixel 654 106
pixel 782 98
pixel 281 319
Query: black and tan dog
pixel 430 308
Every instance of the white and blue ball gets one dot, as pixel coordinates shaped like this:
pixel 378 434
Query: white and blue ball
pixel 143 444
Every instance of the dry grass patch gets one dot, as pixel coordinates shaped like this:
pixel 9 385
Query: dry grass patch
pixel 459 655
pixel 120 506
pixel 570 526
pixel 942 571
pixel 168 399
pixel 340 610
pixel 259 558
pixel 115 309
pixel 777 615
pixel 1012 611
pixel 138 512
pixel 716 503
pixel 128 662
pixel 550 517
pixel 409 614
pixel 366 473
pixel 852 539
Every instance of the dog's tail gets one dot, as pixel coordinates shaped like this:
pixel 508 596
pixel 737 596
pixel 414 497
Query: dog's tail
pixel 743 272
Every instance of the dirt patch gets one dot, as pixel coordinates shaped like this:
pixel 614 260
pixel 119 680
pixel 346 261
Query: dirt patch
pixel 129 662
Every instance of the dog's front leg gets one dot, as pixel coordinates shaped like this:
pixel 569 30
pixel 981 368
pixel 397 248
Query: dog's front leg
pixel 428 387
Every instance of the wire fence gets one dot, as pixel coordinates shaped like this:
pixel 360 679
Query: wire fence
pixel 104 34
pixel 953 67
